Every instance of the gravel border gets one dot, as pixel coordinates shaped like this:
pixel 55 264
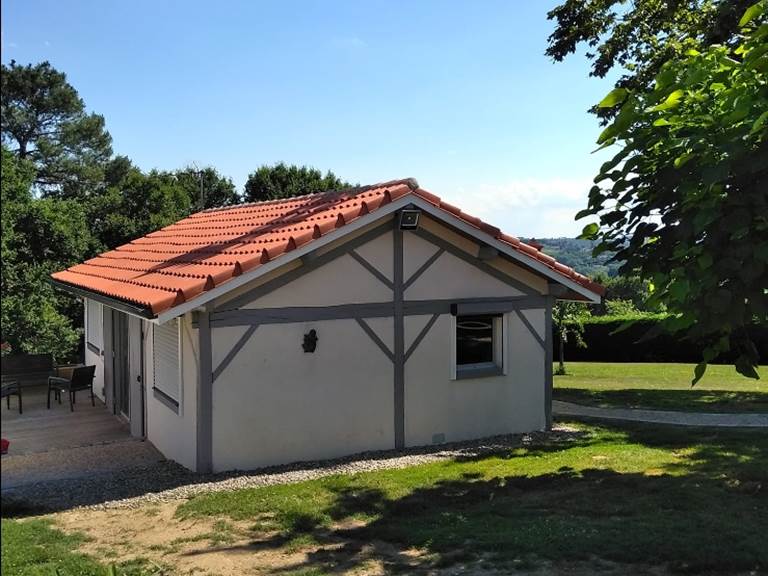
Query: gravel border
pixel 167 481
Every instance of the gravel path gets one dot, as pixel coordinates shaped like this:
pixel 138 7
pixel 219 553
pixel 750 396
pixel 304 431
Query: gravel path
pixel 661 416
pixel 165 481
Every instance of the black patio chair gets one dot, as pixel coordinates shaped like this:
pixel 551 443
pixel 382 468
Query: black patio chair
pixel 82 379
pixel 11 388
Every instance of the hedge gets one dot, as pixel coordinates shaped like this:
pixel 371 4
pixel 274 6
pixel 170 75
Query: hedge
pixel 604 344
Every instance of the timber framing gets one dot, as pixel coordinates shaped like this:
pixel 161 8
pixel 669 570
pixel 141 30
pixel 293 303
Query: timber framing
pixel 308 265
pixel 292 314
pixel 204 432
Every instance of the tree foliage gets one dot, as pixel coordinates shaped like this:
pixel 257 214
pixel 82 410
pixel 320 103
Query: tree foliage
pixel 282 181
pixel 641 35
pixel 217 190
pixel 684 203
pixel 38 237
pixel 44 121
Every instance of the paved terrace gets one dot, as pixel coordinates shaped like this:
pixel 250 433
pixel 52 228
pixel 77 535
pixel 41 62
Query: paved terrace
pixel 56 444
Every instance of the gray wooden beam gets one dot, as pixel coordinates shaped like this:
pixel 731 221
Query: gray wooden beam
pixel 420 337
pixel 234 351
pixel 375 337
pixel 423 268
pixel 531 329
pixel 204 396
pixel 476 262
pixel 399 336
pixel 292 314
pixel 372 269
pixel 548 346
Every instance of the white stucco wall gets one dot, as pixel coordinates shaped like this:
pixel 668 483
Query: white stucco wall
pixel 171 433
pixel 276 404
pixel 440 409
pixel 341 281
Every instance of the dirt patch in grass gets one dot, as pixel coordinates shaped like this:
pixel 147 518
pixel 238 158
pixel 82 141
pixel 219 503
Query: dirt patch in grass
pixel 218 547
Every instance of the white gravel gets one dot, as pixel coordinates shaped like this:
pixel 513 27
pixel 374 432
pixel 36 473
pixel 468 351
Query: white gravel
pixel 165 481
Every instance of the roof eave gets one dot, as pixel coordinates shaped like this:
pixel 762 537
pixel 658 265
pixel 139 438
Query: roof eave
pixel 508 250
pixel 121 305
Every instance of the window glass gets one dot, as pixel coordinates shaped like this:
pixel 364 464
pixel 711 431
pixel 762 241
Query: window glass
pixel 475 340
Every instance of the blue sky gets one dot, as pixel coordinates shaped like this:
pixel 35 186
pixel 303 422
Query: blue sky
pixel 456 94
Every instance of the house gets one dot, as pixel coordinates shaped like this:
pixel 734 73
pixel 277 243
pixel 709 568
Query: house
pixel 372 318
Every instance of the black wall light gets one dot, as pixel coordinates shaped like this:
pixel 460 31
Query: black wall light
pixel 409 219
pixel 310 341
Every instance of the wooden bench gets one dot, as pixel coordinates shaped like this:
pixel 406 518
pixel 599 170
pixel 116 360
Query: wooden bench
pixel 28 369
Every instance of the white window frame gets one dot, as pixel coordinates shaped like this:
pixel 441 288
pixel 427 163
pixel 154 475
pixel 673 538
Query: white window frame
pixel 175 404
pixel 499 365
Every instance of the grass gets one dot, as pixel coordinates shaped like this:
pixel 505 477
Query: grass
pixel 660 386
pixel 35 548
pixel 691 499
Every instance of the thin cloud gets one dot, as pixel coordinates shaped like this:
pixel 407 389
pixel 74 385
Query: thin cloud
pixel 530 207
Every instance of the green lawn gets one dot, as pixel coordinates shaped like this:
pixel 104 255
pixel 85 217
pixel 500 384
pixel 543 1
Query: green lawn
pixel 682 499
pixel 691 499
pixel 660 386
pixel 36 548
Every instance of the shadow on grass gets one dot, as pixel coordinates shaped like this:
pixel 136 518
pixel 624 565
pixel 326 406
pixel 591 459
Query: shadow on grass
pixel 60 495
pixel 708 511
pixel 692 400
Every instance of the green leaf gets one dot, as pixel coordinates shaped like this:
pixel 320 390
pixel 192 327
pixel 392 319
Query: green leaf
pixel 662 122
pixel 613 98
pixel 692 52
pixel 672 101
pixel 760 122
pixel 589 231
pixel 582 213
pixel 682 159
pixel 751 13
pixel 607 143
pixel 607 134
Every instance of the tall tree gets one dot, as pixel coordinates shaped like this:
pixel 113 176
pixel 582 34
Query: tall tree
pixel 281 181
pixel 683 203
pixel 44 122
pixel 216 190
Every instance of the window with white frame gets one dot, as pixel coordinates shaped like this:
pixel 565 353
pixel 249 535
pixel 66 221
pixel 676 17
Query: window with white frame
pixel 479 345
pixel 166 361
pixel 94 325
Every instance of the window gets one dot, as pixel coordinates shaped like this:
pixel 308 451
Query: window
pixel 479 346
pixel 94 325
pixel 165 357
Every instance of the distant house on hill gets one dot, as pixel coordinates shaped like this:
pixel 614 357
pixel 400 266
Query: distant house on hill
pixel 372 318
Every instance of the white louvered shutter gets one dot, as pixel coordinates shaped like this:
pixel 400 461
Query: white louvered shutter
pixel 166 359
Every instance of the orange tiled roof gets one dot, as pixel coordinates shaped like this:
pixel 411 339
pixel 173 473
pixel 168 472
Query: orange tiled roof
pixel 179 262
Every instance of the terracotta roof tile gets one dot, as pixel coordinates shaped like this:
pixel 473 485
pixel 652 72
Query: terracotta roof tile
pixel 179 262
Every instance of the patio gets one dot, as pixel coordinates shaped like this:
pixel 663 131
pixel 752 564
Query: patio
pixel 39 429
pixel 56 444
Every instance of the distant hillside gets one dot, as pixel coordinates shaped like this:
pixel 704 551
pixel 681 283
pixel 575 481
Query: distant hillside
pixel 578 255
